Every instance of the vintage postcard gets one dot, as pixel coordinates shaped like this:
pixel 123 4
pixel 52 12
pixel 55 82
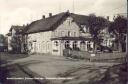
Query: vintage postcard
pixel 63 42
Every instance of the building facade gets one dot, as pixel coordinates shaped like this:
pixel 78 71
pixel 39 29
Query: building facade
pixel 56 33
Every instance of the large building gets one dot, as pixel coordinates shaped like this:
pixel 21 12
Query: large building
pixel 58 32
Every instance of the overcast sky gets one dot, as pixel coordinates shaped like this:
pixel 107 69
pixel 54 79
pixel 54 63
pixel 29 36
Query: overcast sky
pixel 19 12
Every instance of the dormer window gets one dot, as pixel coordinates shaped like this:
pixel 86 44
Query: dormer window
pixel 62 33
pixel 82 26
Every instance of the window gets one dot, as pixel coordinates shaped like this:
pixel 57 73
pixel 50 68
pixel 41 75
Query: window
pixel 69 33
pixel 89 46
pixel 82 26
pixel 69 22
pixel 87 29
pixel 62 33
pixel 82 42
pixel 74 44
pixel 56 43
pixel 48 45
pixel 55 33
pixel 67 44
pixel 74 34
pixel 30 44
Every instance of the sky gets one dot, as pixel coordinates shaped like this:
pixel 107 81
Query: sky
pixel 19 12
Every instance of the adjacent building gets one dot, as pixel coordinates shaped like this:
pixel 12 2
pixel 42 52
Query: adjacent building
pixel 15 38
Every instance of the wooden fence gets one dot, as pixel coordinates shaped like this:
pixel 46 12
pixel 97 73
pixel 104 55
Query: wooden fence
pixel 100 57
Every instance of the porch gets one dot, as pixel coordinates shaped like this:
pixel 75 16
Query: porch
pixel 72 43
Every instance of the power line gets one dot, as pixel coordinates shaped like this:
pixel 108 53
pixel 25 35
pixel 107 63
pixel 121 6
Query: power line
pixel 73 6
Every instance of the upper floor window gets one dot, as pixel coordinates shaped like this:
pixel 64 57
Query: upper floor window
pixel 55 33
pixel 62 33
pixel 69 33
pixel 74 34
pixel 69 22
pixel 82 26
pixel 85 28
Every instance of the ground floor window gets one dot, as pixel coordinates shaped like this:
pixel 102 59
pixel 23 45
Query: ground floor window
pixel 75 45
pixel 56 43
pixel 82 45
pixel 67 44
pixel 89 46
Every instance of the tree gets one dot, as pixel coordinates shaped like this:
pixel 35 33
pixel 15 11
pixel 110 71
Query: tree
pixel 2 38
pixel 3 42
pixel 119 28
pixel 96 24
pixel 16 44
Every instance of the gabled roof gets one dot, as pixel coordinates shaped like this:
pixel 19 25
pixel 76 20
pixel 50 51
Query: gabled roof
pixel 46 24
pixel 51 23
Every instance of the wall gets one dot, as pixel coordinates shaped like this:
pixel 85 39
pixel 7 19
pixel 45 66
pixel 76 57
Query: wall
pixel 40 42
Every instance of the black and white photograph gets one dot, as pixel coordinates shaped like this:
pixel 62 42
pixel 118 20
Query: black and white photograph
pixel 63 42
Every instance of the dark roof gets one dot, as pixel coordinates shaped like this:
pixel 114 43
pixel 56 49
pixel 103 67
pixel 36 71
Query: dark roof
pixel 45 24
pixel 80 19
pixel 52 22
pixel 72 38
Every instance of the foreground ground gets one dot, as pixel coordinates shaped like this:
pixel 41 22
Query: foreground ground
pixel 52 68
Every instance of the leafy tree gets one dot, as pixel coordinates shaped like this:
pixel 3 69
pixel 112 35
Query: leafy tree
pixel 2 38
pixel 96 24
pixel 119 27
pixel 3 43
pixel 16 44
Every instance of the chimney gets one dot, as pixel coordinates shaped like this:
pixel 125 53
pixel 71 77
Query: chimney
pixel 43 17
pixel 50 14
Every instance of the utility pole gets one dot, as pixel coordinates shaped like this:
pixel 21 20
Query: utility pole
pixel 73 6
pixel 60 6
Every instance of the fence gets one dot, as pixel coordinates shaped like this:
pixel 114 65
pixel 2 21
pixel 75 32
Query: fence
pixel 100 57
